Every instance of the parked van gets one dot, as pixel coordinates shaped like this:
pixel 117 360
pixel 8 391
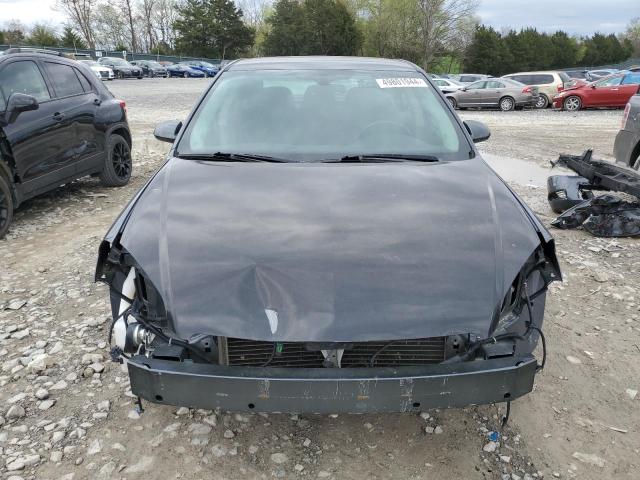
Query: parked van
pixel 549 84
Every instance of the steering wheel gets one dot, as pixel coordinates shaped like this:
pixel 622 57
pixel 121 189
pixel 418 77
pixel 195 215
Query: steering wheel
pixel 384 126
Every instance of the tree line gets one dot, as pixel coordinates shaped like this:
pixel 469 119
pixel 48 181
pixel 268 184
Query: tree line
pixel 439 35
pixel 497 54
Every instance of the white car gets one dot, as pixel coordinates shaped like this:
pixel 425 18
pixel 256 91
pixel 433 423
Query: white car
pixel 447 85
pixel 102 72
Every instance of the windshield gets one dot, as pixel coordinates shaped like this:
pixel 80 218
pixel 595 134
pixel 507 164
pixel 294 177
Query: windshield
pixel 310 115
pixel 91 63
pixel 153 64
pixel 207 64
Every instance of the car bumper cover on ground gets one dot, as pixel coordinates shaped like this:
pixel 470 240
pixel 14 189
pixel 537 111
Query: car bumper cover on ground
pixel 330 390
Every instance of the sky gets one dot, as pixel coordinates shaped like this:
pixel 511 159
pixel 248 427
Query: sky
pixel 579 17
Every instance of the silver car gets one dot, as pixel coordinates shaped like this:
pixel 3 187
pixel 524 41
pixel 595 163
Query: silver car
pixel 447 85
pixel 499 93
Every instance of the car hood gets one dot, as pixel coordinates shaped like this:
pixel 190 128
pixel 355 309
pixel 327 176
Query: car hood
pixel 328 252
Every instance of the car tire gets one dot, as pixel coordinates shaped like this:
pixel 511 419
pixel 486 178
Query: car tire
pixel 6 206
pixel 120 76
pixel 542 102
pixel 572 103
pixel 452 102
pixel 185 75
pixel 118 164
pixel 507 104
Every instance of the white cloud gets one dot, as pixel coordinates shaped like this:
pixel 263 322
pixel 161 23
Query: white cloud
pixel 30 12
pixel 583 17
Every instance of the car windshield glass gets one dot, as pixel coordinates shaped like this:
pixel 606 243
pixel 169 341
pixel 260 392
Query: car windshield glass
pixel 154 64
pixel 206 64
pixel 311 115
pixel 91 63
pixel 120 62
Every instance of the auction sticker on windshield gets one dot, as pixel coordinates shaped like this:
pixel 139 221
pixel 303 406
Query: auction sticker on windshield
pixel 401 82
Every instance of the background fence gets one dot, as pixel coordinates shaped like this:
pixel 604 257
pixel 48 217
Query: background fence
pixel 632 62
pixel 109 53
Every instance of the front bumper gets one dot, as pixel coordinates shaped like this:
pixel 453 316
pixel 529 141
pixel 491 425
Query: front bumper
pixel 331 390
pixel 558 102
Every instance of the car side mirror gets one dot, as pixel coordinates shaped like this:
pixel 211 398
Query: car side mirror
pixel 167 131
pixel 19 102
pixel 464 89
pixel 593 86
pixel 479 131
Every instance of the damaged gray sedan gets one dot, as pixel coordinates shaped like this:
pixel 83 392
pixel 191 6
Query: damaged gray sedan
pixel 324 237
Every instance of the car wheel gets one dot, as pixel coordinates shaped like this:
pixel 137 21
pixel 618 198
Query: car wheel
pixel 120 75
pixel 542 101
pixel 572 103
pixel 186 75
pixel 507 104
pixel 6 206
pixel 118 164
pixel 452 102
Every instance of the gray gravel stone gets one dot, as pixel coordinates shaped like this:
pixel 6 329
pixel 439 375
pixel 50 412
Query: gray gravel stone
pixel 279 458
pixel 94 447
pixel 42 394
pixel 47 404
pixel 15 412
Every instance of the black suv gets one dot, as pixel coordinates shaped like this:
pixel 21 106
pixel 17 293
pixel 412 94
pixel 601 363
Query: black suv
pixel 57 123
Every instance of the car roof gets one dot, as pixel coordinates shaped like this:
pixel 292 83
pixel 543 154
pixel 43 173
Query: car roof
pixel 539 72
pixel 320 62
pixel 44 56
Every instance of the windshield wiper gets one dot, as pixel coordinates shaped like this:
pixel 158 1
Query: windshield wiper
pixel 233 157
pixel 384 157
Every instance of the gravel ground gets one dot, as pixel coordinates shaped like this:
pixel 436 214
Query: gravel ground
pixel 66 412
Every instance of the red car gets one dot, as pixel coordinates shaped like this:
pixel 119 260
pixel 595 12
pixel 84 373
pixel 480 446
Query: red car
pixel 612 91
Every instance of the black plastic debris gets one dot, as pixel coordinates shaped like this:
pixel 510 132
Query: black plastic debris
pixel 566 191
pixel 603 216
pixel 601 175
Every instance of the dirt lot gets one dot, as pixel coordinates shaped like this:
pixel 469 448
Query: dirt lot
pixel 69 413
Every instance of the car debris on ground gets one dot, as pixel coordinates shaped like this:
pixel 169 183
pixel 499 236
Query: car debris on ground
pixel 604 215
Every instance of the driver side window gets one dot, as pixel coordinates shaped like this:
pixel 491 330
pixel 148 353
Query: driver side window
pixel 477 85
pixel 23 77
pixel 609 82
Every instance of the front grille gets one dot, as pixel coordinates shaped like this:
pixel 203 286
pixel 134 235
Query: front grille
pixel 400 353
pixel 395 353
pixel 104 74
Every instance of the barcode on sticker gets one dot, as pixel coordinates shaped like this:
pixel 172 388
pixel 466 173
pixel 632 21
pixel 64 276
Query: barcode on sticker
pixel 401 82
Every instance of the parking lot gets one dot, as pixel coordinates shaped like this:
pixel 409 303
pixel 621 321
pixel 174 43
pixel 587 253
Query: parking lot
pixel 76 422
